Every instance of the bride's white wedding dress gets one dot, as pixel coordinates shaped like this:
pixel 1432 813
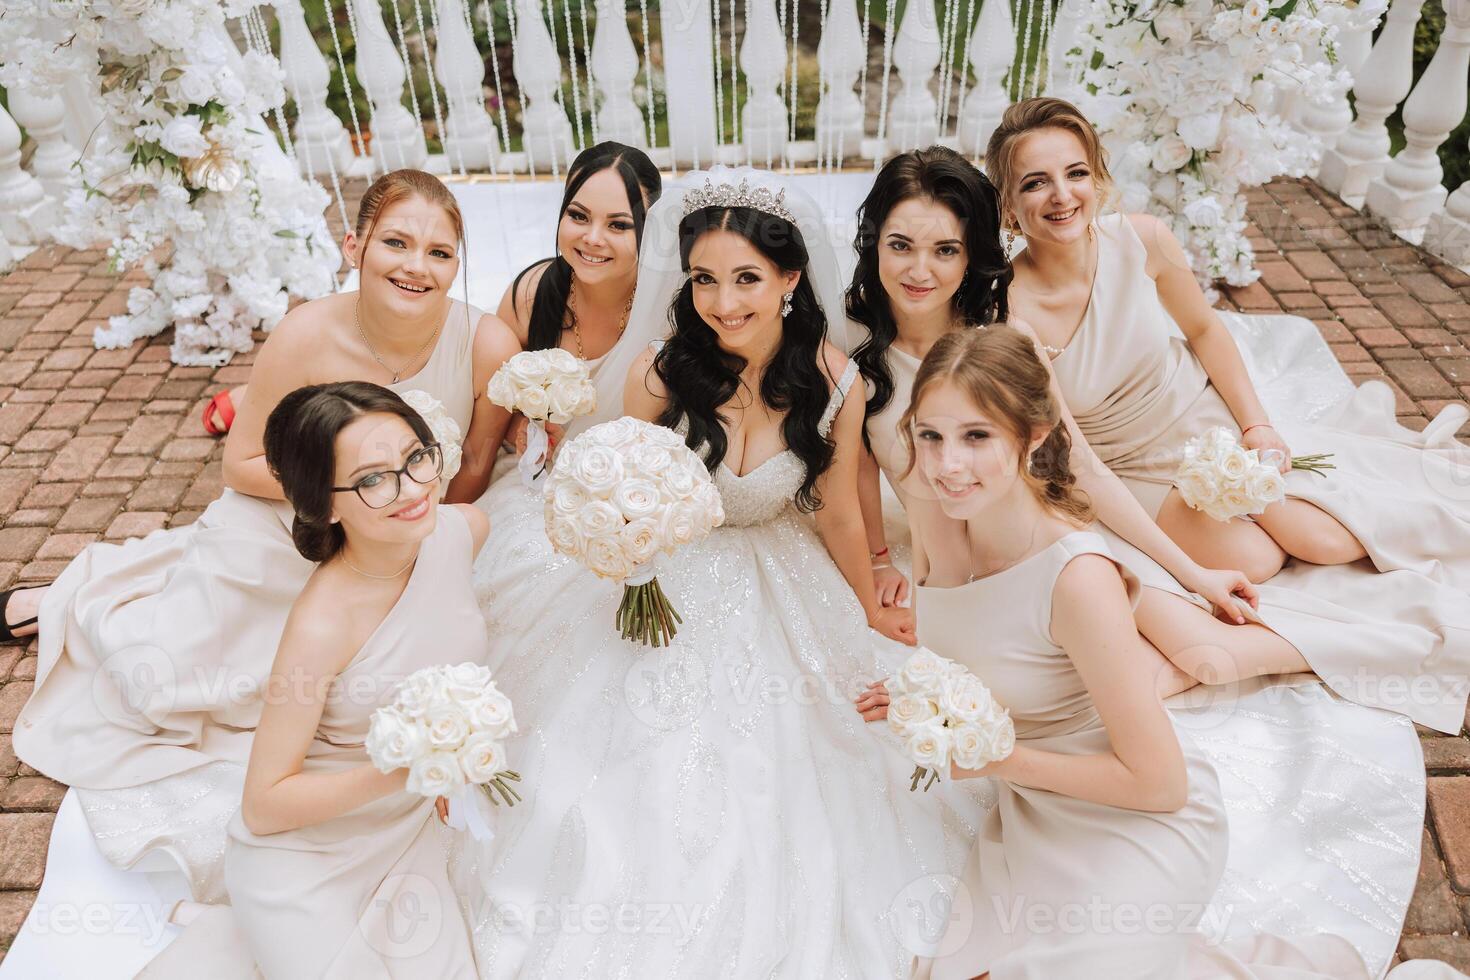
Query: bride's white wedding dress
pixel 716 808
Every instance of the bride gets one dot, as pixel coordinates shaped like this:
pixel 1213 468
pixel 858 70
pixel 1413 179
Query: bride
pixel 711 808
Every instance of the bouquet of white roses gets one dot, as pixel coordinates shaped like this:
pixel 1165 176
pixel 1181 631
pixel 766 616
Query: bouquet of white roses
pixel 447 726
pixel 1223 479
pixel 442 425
pixel 943 713
pixel 621 493
pixel 544 386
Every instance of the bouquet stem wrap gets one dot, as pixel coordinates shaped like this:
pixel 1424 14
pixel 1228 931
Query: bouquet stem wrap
pixel 469 810
pixel 532 465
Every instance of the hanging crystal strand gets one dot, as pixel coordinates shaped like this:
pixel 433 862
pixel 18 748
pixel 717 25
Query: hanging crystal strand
pixel 22 197
pixel 258 38
pixel 342 74
pixel 1022 65
pixel 317 128
pixel 418 13
pixel 398 137
pixel 882 145
pixel 841 56
pixel 566 8
pixel 407 55
pixel 1065 34
pixel 966 32
pixel 992 52
pixel 915 57
pixel 469 128
pixel 546 132
pixel 647 76
pixel 822 83
pixel 763 59
pixel 749 154
pixel 719 78
pixel 795 19
pixel 946 63
pixel 43 117
pixel 490 133
pixel 614 64
pixel 504 126
pixel 587 62
pixel 432 62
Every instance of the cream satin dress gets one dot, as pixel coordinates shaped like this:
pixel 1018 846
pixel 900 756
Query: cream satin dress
pixel 153 654
pixel 1325 797
pixel 367 893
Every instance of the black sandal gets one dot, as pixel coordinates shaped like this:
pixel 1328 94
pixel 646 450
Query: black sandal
pixel 7 634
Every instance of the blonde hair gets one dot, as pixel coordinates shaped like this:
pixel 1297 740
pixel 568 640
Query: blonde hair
pixel 1028 116
pixel 998 368
pixel 398 185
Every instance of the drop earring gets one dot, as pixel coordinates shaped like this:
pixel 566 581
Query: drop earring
pixel 786 305
pixel 1007 240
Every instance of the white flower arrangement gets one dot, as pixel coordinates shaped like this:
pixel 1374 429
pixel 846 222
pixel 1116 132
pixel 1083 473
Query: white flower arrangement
pixel 544 386
pixel 620 494
pixel 442 425
pixel 181 177
pixel 944 714
pixel 447 726
pixel 1225 480
pixel 1188 94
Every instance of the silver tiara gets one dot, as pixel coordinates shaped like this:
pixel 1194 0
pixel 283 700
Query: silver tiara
pixel 741 195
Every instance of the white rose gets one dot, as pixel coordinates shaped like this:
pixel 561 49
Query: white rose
pixel 636 499
pixel 649 461
pixel 464 683
pixel 501 390
pixel 564 363
pixel 393 740
pixel 196 85
pixel 922 671
pixel 605 557
pixel 1271 30
pixel 963 698
pixel 1204 212
pixel 1173 27
pixel 566 498
pixel 679 524
pixel 447 725
pixel 969 747
pixel 929 745
pixel 435 774
pixel 424 687
pixel 1235 501
pixel 641 540
pixel 131 8
pixel 563 402
pixel 707 504
pixel 565 537
pixel 1170 154
pixel 598 469
pixel 598 518
pixel 679 480
pixel 908 710
pixel 586 400
pixel 1198 487
pixel 1201 131
pixel 494 714
pixel 1255 11
pixel 481 757
pixel 529 369
pixel 1233 464
pixel 183 137
pixel 1265 486
pixel 658 435
pixel 534 403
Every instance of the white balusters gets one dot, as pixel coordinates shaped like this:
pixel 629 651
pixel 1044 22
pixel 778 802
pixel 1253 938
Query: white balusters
pixel 1410 189
pixel 22 198
pixel 322 145
pixel 1354 40
pixel 913 119
pixel 763 59
pixel 546 131
pixel 471 139
pixel 992 49
pixel 1062 80
pixel 83 110
pixel 7 257
pixel 43 117
pixel 840 56
pixel 1362 152
pixel 398 137
pixel 1448 232
pixel 613 66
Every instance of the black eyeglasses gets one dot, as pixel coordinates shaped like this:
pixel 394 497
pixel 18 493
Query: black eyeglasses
pixel 380 489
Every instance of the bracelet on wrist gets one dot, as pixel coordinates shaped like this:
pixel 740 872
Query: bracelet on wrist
pixel 880 553
pixel 1258 425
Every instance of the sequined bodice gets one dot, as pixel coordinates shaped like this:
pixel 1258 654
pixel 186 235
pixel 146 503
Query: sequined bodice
pixel 761 495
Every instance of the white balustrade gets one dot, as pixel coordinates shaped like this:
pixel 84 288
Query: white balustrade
pixel 1410 189
pixel 992 50
pixel 398 138
pixel 83 110
pixel 763 59
pixel 613 66
pixel 840 56
pixel 546 131
pixel 1361 153
pixel 7 257
pixel 322 144
pixel 913 119
pixel 44 117
pixel 1328 121
pixel 689 81
pixel 471 141
pixel 22 198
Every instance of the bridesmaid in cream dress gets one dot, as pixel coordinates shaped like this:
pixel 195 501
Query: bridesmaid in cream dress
pixel 334 870
pixel 153 653
pixel 1110 835
pixel 1144 365
pixel 1302 772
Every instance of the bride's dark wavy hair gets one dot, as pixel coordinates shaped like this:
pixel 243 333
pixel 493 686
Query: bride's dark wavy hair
pixel 941 175
pixel 643 184
pixel 700 376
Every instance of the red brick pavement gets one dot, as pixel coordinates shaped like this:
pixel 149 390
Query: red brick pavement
pixel 103 445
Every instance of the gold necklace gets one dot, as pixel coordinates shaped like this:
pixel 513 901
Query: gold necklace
pixel 381 577
pixel 409 363
pixel 577 325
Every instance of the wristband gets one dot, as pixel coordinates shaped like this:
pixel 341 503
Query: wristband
pixel 1258 425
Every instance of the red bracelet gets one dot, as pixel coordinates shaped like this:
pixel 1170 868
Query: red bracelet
pixel 1258 425
pixel 878 554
